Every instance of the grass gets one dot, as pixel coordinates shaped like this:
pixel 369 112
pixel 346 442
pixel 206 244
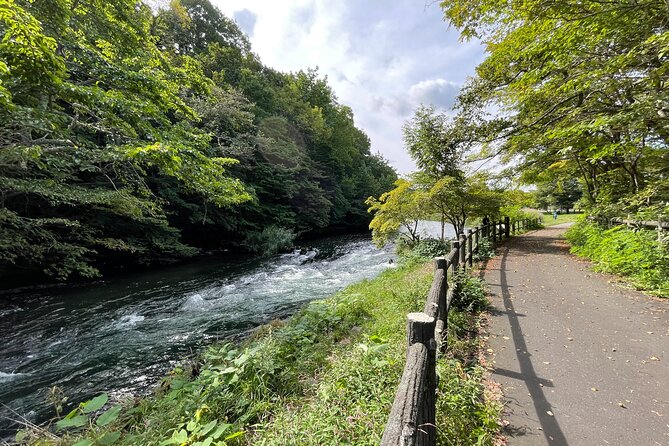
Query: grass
pixel 547 219
pixel 636 255
pixel 326 376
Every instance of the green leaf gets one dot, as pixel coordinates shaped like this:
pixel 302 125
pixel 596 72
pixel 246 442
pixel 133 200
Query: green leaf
pixel 77 421
pixel 109 438
pixel 207 428
pixel 192 426
pixel 20 436
pixel 73 413
pixel 109 416
pixel 206 442
pixel 235 435
pixel 95 404
pixel 220 430
pixel 84 442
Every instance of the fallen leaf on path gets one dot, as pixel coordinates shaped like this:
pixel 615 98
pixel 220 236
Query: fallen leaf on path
pixel 594 389
pixel 654 358
pixel 622 405
pixel 549 413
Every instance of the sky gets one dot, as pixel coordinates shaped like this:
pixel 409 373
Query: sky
pixel 382 58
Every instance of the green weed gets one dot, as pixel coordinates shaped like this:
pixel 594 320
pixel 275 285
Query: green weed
pixel 637 255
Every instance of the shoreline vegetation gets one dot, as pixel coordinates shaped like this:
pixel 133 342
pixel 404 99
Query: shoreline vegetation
pixel 327 375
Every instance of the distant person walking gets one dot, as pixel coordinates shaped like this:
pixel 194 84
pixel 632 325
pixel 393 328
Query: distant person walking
pixel 555 213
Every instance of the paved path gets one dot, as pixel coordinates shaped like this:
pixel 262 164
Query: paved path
pixel 581 361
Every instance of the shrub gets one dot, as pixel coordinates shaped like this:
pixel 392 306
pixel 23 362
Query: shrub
pixel 485 251
pixel 270 240
pixel 469 294
pixel 635 254
pixel 431 247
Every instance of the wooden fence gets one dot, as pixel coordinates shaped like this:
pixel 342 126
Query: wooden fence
pixel 412 416
pixel 649 224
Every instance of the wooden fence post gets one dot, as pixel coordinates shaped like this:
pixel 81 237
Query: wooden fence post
pixel 412 420
pixel 463 249
pixel 476 238
pixel 420 329
pixel 494 233
pixel 470 247
pixel 456 257
pixel 507 227
pixel 437 296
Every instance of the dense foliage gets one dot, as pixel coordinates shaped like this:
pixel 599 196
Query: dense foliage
pixel 639 255
pixel 444 188
pixel 135 135
pixel 574 89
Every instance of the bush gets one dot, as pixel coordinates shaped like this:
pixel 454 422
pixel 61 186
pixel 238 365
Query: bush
pixel 469 294
pixel 485 251
pixel 431 247
pixel 635 254
pixel 271 240
pixel 419 251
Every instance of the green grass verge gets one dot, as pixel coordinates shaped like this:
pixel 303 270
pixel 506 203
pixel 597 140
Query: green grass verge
pixel 636 255
pixel 326 376
pixel 547 219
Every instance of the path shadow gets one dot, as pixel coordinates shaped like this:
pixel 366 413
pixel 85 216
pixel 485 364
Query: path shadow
pixel 550 427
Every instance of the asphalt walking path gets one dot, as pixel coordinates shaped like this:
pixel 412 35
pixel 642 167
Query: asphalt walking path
pixel 580 359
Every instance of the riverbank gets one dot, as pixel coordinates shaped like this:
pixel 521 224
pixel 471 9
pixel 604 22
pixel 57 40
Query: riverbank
pixel 125 334
pixel 326 376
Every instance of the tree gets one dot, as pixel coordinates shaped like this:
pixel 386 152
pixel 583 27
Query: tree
pixel 400 208
pixel 433 142
pixel 125 130
pixel 581 85
pixel 559 194
pixel 456 200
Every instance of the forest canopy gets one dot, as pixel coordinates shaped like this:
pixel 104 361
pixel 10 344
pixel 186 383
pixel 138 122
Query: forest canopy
pixel 574 90
pixel 132 135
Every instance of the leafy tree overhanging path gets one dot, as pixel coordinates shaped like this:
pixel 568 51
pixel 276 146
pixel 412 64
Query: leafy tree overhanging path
pixel 580 360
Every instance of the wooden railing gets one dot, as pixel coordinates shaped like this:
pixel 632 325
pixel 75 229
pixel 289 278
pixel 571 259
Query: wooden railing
pixel 649 224
pixel 413 414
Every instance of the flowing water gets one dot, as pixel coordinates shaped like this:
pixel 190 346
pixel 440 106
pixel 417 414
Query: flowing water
pixel 122 335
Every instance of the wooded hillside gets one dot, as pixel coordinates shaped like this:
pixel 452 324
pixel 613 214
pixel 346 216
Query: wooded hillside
pixel 130 135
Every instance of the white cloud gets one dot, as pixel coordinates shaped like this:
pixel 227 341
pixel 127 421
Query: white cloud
pixel 438 92
pixel 381 58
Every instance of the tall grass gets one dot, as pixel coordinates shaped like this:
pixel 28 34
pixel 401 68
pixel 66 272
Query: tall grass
pixel 636 255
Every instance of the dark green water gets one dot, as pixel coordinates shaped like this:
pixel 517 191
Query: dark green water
pixel 122 335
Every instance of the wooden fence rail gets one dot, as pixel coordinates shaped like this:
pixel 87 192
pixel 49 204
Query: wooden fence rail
pixel 412 420
pixel 652 224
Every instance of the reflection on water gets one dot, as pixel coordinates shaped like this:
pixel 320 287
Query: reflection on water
pixel 122 335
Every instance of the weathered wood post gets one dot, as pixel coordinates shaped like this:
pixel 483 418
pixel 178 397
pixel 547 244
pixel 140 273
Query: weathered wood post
pixel 455 258
pixel 470 247
pixel 435 306
pixel 494 233
pixel 476 239
pixel 412 417
pixel 463 250
pixel 507 227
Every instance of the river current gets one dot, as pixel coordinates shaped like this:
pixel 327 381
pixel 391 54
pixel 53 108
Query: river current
pixel 120 336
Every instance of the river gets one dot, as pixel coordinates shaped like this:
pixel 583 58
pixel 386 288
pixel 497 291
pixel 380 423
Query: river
pixel 121 335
